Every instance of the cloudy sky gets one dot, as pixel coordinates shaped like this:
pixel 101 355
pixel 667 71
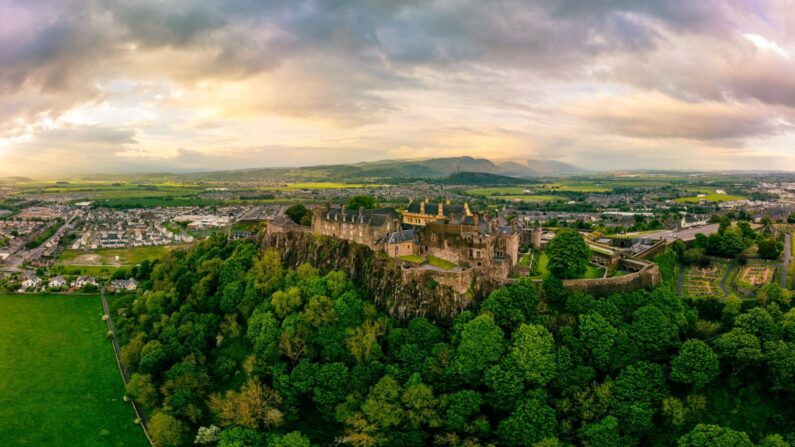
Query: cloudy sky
pixel 133 86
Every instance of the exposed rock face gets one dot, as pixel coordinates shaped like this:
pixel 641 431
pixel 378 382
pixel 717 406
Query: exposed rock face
pixel 403 295
pixel 407 293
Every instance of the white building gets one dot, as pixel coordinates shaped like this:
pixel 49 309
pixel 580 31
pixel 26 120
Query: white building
pixel 56 282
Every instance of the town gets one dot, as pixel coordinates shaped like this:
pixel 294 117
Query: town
pixel 52 238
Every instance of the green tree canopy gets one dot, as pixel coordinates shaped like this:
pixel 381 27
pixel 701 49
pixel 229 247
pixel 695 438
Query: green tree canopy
pixel 568 254
pixel 366 202
pixel 297 212
pixel 696 364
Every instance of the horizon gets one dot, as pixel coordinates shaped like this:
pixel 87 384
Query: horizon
pixel 113 88
pixel 583 172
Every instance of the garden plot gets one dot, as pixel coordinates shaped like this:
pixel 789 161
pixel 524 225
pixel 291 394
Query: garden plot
pixel 754 275
pixel 705 281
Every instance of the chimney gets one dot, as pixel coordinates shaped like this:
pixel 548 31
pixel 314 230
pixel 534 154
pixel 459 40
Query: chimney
pixel 474 217
pixel 422 207
pixel 361 214
pixel 447 202
pixel 343 212
pixel 441 210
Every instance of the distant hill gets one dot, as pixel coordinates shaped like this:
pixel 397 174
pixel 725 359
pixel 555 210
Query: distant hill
pixel 480 178
pixel 433 168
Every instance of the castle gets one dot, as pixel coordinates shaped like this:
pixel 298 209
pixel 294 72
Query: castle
pixel 441 230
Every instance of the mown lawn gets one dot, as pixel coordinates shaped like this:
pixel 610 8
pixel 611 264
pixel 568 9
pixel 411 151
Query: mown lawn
pixel 59 383
pixel 414 259
pixel 441 263
pixel 541 266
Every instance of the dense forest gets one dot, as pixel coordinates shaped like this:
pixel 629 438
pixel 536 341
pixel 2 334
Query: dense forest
pixel 229 348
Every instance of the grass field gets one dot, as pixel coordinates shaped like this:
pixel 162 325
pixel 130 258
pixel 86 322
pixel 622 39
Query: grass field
pixel 541 266
pixel 414 259
pixel 496 191
pixel 99 271
pixel 710 198
pixel 577 187
pixel 441 263
pixel 530 198
pixel 107 256
pixel 60 384
pixel 592 272
pixel 542 271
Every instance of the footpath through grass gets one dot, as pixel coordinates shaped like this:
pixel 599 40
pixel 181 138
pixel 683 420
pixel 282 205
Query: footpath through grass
pixel 59 383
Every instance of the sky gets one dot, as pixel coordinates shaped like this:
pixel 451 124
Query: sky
pixel 100 86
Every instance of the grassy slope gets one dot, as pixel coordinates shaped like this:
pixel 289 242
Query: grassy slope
pixel 60 384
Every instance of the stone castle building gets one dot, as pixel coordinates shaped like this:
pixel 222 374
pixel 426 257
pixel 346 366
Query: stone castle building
pixel 367 227
pixel 443 230
pixel 425 212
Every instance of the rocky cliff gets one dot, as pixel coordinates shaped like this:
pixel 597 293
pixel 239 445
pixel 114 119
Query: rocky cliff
pixel 402 295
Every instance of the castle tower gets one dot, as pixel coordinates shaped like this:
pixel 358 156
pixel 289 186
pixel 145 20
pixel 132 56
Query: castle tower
pixel 535 237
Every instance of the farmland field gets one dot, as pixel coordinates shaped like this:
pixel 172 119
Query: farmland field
pixel 710 198
pixel 496 191
pixel 530 198
pixel 60 384
pixel 576 187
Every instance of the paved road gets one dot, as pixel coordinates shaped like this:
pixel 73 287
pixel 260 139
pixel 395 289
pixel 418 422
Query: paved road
pixel 685 235
pixel 786 260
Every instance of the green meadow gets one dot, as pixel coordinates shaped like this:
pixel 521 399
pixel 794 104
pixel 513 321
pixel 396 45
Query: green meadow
pixel 60 386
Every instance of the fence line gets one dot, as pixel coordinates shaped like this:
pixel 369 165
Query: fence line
pixel 125 376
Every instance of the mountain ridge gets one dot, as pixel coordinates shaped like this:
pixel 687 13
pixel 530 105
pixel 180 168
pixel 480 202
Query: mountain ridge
pixel 397 168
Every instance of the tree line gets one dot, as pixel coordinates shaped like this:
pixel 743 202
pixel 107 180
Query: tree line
pixel 230 348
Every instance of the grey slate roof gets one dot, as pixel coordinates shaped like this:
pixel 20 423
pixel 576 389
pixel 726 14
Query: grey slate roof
pixel 375 217
pixel 432 208
pixel 402 236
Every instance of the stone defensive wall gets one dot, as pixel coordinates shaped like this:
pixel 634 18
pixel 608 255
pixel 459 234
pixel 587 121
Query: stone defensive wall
pixel 406 292
pixel 646 277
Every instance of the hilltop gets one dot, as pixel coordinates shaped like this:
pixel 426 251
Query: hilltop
pixel 433 168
